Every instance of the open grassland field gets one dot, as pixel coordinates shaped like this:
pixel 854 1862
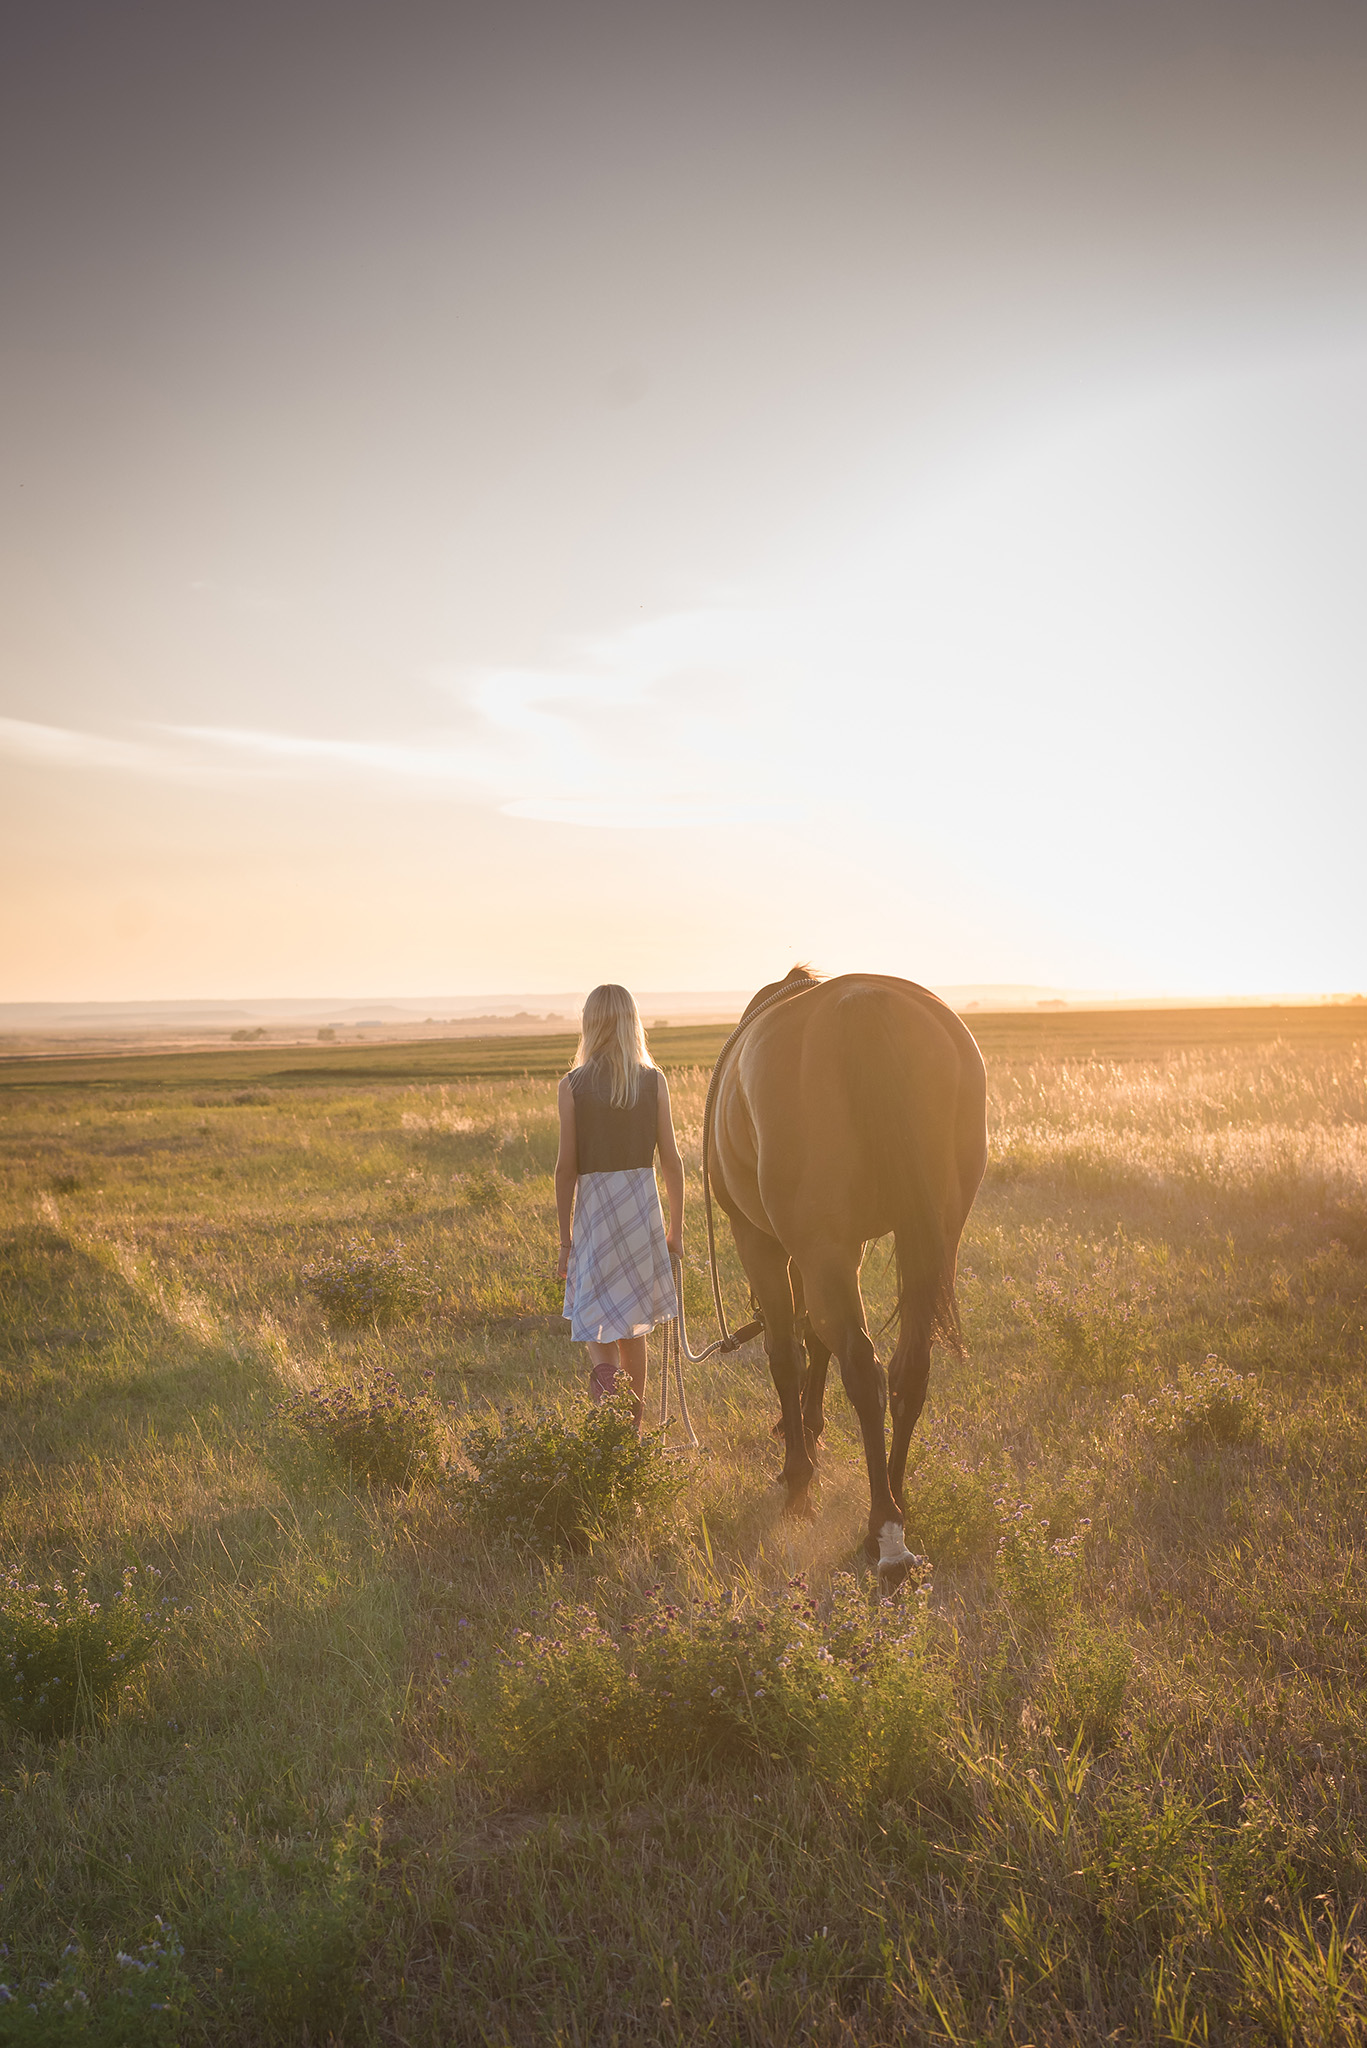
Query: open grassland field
pixel 378 1766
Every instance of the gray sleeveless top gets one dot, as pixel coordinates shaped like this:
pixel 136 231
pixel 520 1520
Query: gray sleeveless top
pixel 609 1140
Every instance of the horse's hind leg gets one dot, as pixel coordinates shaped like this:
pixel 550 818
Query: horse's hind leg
pixel 818 1359
pixel 907 1399
pixel 766 1268
pixel 837 1315
pixel 814 1377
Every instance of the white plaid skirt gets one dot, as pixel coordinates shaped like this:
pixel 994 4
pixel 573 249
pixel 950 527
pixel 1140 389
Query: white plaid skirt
pixel 619 1282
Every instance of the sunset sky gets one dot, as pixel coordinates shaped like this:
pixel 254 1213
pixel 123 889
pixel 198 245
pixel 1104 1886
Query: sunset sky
pixel 500 497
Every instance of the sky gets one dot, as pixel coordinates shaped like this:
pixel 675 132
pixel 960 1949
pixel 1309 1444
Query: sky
pixel 511 496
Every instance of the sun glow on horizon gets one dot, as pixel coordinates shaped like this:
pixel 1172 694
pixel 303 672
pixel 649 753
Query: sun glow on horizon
pixel 1006 630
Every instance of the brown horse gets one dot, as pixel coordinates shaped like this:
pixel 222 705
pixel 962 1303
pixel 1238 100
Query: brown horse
pixel 840 1111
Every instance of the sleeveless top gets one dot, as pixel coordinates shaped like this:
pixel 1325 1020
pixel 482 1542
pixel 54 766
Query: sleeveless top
pixel 609 1140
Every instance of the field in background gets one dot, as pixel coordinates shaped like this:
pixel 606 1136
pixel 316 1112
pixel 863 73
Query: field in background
pixel 1149 1808
pixel 1006 1034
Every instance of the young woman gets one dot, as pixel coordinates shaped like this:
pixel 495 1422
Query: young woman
pixel 614 1113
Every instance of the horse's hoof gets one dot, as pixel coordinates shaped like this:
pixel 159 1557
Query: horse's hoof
pixel 895 1562
pixel 801 1510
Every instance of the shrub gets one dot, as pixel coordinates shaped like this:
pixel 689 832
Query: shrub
pixel 1037 1575
pixel 723 1683
pixel 550 1480
pixel 484 1188
pixel 295 1948
pixel 1086 1688
pixel 1210 1404
pixel 1089 1329
pixel 949 1512
pixel 362 1284
pixel 368 1427
pixel 140 2002
pixel 60 1650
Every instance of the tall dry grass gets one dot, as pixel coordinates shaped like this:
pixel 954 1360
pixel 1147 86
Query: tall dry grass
pixel 1143 1817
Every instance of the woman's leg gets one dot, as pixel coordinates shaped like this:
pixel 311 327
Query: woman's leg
pixel 602 1371
pixel 631 1358
pixel 627 1355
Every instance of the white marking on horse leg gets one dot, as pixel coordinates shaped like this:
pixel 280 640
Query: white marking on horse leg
pixel 892 1548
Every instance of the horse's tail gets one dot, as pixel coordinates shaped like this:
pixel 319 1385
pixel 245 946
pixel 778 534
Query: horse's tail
pixel 890 1114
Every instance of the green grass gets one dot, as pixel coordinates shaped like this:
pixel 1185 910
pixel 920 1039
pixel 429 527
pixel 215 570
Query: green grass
pixel 1128 1797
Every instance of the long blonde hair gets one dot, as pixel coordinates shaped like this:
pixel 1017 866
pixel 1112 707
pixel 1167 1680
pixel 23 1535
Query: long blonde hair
pixel 612 1032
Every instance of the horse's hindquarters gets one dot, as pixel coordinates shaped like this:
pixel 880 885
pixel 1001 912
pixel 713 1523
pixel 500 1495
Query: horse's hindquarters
pixel 853 1110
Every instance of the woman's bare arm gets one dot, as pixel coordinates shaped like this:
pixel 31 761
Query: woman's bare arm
pixel 566 1172
pixel 672 1167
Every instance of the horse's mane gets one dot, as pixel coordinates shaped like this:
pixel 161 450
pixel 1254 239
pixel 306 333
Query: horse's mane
pixel 798 972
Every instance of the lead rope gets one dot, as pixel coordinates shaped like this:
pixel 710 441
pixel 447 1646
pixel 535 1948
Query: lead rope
pixel 676 1344
pixel 671 1355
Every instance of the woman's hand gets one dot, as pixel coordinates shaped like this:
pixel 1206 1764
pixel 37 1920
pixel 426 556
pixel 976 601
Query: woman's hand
pixel 566 1175
pixel 673 1171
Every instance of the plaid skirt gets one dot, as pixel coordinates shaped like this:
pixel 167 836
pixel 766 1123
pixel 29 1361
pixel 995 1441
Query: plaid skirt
pixel 619 1282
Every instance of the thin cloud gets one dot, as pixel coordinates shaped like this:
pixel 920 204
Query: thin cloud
pixel 56 746
pixel 645 811
pixel 634 731
pixel 657 725
pixel 311 751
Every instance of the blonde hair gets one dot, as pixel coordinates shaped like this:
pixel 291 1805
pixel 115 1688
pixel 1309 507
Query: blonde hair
pixel 612 1032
